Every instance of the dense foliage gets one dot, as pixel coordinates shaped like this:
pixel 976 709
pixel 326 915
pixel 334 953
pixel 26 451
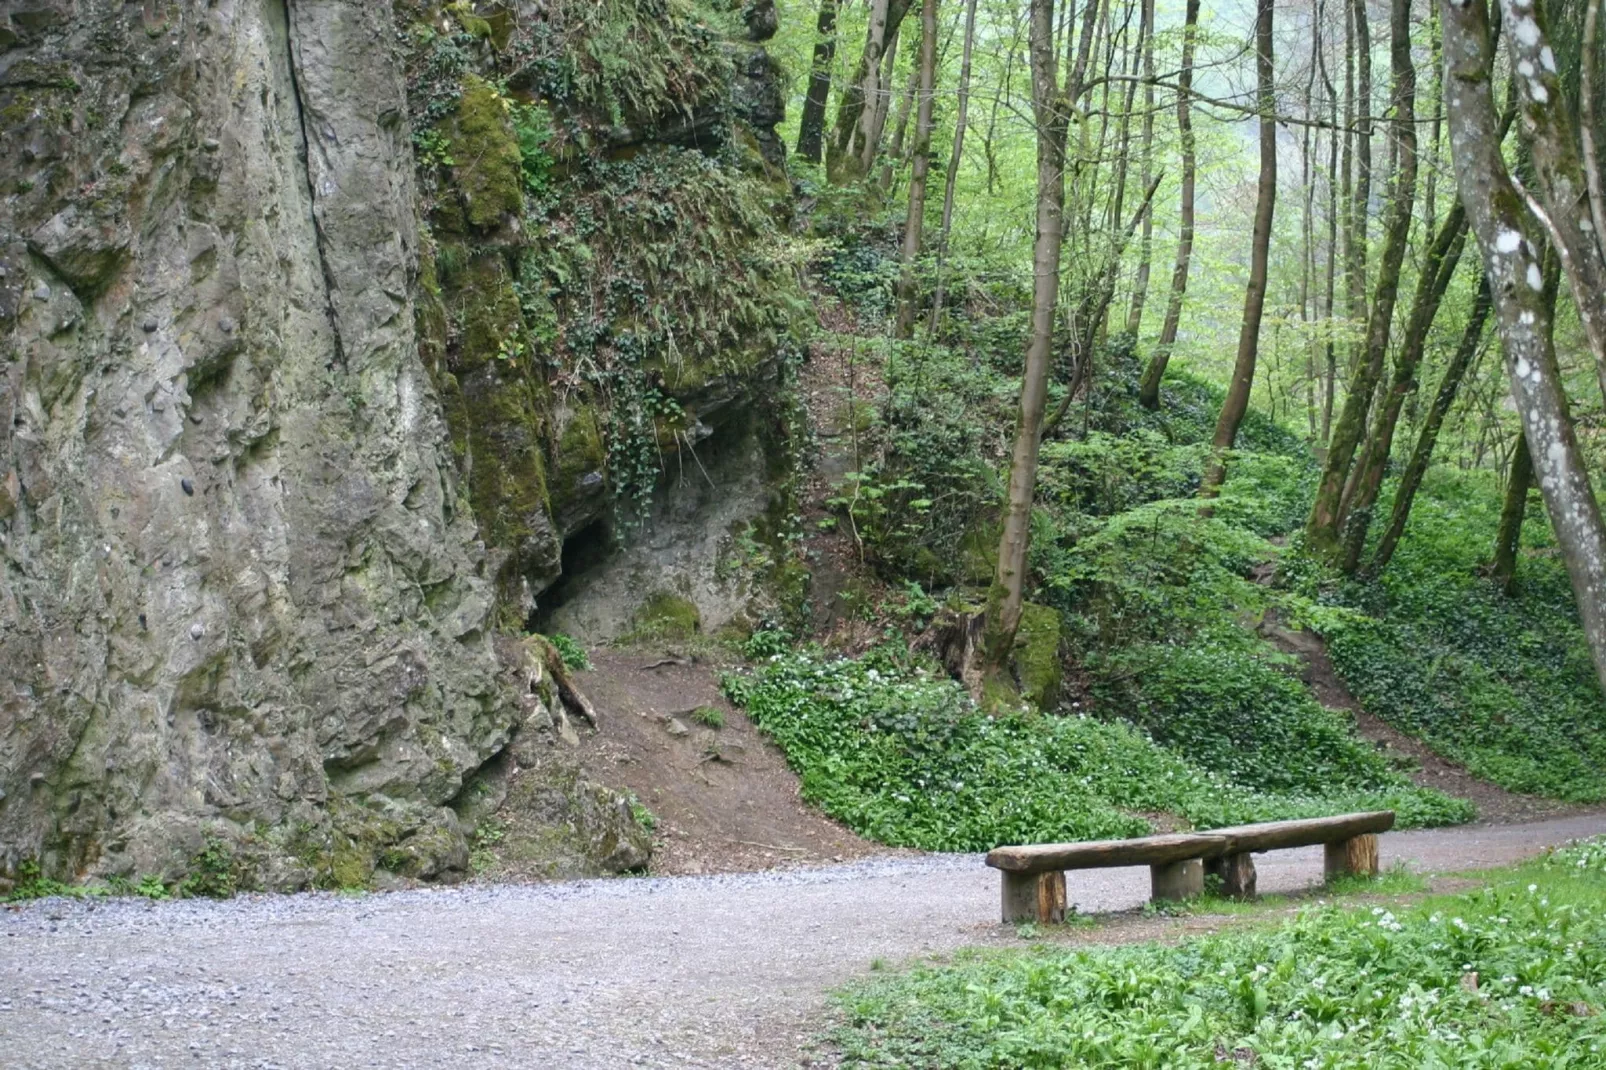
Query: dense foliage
pixel 899 753
pixel 1501 683
pixel 1512 975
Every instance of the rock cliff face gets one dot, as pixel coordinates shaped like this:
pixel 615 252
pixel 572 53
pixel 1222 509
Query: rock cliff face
pixel 267 490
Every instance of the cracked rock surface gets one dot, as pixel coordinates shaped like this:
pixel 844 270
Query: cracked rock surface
pixel 238 584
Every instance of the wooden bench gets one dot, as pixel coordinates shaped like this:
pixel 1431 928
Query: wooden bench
pixel 1034 876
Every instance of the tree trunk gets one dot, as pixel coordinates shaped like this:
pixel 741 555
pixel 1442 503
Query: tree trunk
pixel 1552 138
pixel 1431 283
pixel 811 126
pixel 879 107
pixel 1140 282
pixel 1361 204
pixel 1051 112
pixel 954 160
pixel 1149 388
pixel 1422 455
pixel 1307 230
pixel 914 225
pixel 900 129
pixel 1508 539
pixel 1236 403
pixel 1322 532
pixel 1330 376
pixel 1497 217
pixel 856 113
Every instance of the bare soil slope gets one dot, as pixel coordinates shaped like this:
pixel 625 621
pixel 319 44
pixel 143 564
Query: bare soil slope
pixel 724 798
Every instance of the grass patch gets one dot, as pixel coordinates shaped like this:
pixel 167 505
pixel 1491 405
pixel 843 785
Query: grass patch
pixel 1513 975
pixel 709 717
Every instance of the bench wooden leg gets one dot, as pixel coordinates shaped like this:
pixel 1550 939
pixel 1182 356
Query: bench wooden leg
pixel 1177 880
pixel 1038 897
pixel 1236 873
pixel 1356 856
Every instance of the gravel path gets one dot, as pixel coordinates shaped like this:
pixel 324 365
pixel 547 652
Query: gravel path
pixel 726 971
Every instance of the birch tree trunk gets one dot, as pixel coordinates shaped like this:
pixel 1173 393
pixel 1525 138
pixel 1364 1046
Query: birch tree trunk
pixel 1503 227
pixel 1236 403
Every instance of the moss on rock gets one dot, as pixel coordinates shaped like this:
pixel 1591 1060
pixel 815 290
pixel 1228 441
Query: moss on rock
pixel 666 615
pixel 485 150
pixel 577 462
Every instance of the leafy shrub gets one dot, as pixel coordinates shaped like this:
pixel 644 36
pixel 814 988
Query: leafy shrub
pixel 766 643
pixel 1511 976
pixel 212 872
pixel 569 649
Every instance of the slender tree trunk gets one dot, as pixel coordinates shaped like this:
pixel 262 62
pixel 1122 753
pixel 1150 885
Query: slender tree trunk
pixel 900 129
pixel 1236 403
pixel 1361 204
pixel 811 126
pixel 954 159
pixel 1149 388
pixel 1051 111
pixel 1322 532
pixel 1307 230
pixel 1140 282
pixel 1513 511
pixel 1427 438
pixel 1330 378
pixel 858 106
pixel 1431 283
pixel 914 225
pixel 1430 199
pixel 1495 211
pixel 879 107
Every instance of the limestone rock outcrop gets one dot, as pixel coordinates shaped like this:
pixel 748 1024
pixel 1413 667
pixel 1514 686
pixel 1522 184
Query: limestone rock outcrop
pixel 245 595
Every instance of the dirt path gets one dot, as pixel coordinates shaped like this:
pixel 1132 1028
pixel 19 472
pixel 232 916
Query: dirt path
pixel 723 796
pixel 727 971
pixel 1495 804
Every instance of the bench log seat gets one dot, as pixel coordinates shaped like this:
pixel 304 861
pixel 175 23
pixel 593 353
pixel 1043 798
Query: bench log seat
pixel 1034 875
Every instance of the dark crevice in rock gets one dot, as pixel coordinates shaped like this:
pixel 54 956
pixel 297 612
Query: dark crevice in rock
pixel 292 61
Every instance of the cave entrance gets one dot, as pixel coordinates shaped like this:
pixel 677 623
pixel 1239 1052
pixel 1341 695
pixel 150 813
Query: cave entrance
pixel 583 552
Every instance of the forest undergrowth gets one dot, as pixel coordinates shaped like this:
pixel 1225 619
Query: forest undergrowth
pixel 1171 706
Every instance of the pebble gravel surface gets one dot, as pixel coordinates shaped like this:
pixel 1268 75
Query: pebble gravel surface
pixel 719 971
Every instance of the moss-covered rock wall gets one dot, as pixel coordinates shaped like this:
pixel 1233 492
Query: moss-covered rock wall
pixel 600 188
